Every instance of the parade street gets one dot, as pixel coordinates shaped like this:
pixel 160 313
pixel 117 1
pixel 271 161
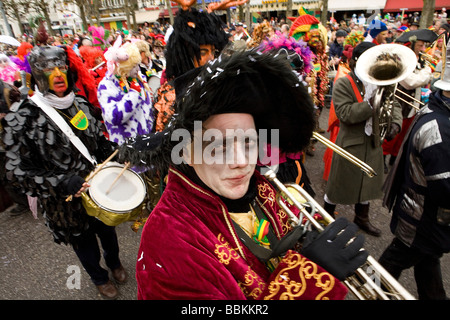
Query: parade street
pixel 33 267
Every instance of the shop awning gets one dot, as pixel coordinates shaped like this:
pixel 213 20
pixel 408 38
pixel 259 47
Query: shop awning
pixel 147 16
pixel 412 5
pixel 356 5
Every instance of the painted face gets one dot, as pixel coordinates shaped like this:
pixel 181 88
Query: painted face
pixel 43 62
pixel 314 39
pixel 229 178
pixel 57 80
pixel 207 52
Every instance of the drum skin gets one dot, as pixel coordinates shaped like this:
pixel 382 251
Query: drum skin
pixel 105 211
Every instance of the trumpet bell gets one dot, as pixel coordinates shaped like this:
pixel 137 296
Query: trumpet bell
pixel 386 64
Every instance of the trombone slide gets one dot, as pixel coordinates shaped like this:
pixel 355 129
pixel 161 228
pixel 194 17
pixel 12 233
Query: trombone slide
pixel 343 153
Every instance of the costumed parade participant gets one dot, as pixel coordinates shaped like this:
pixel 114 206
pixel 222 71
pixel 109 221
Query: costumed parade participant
pixel 410 89
pixel 350 42
pixel 200 241
pixel 95 62
pixel 123 94
pixel 149 68
pixel 353 103
pixel 310 30
pixel 417 192
pixel 53 142
pixel 126 103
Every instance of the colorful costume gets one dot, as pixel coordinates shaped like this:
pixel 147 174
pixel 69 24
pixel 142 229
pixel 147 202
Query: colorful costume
pixel 198 244
pixel 126 101
pixel 205 259
pixel 42 167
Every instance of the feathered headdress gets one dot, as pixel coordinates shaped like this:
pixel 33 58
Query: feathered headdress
pixel 99 37
pixel 298 47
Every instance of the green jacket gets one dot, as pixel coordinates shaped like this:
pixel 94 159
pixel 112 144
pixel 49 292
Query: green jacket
pixel 347 183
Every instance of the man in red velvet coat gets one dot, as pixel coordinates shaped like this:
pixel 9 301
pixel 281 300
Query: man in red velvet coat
pixel 217 231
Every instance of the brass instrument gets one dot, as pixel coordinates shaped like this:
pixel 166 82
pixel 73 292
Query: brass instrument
pixel 429 60
pixel 347 155
pixel 362 284
pixel 385 65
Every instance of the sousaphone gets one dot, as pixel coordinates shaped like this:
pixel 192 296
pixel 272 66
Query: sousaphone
pixel 385 65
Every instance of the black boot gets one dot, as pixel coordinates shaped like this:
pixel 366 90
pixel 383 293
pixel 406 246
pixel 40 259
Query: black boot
pixel 330 208
pixel 362 220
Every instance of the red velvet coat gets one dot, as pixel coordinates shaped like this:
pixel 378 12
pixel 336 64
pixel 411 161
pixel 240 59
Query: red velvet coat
pixel 190 250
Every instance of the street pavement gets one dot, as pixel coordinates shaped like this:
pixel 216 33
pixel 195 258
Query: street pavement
pixel 33 267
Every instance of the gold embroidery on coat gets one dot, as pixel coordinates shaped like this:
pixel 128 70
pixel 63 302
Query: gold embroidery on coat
pixel 262 190
pixel 290 289
pixel 250 278
pixel 224 252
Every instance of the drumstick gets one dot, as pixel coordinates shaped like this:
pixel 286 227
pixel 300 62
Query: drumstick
pixel 118 176
pixel 93 173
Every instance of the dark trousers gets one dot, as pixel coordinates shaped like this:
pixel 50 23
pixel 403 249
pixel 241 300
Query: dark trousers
pixel 427 269
pixel 88 250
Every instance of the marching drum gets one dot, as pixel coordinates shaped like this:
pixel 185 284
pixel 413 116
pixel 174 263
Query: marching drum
pixel 115 201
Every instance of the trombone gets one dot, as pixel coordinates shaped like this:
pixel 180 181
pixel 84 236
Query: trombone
pixel 347 155
pixel 411 104
pixel 361 284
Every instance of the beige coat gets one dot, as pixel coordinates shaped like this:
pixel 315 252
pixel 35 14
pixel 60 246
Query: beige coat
pixel 347 183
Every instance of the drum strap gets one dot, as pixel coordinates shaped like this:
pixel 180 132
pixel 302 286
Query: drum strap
pixel 63 125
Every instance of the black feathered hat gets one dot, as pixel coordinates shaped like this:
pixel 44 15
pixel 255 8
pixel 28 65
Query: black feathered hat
pixel 191 29
pixel 261 84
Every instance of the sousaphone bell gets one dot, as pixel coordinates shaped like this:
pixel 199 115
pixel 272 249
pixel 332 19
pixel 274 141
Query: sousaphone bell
pixel 385 66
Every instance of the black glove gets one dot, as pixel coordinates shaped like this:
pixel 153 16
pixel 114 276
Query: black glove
pixel 74 184
pixel 330 250
pixel 393 131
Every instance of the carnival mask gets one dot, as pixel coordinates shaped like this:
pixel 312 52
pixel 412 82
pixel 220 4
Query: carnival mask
pixel 47 63
pixel 314 40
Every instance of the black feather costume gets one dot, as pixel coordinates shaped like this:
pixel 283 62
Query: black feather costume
pixel 41 159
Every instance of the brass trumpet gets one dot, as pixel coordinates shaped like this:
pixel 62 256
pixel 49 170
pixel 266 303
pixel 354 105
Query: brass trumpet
pixel 343 153
pixel 362 284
